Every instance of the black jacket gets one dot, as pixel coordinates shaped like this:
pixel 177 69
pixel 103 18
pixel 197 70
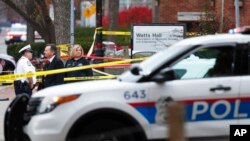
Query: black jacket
pixel 77 63
pixel 54 79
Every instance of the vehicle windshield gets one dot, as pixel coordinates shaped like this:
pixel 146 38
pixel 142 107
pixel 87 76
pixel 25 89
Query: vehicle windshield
pixel 18 29
pixel 151 64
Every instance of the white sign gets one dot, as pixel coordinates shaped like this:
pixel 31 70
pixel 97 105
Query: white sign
pixel 90 20
pixel 156 37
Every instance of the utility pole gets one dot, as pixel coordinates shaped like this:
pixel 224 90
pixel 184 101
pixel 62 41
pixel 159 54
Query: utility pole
pixel 237 13
pixel 156 4
pixel 99 50
pixel 128 3
pixel 221 16
pixel 72 21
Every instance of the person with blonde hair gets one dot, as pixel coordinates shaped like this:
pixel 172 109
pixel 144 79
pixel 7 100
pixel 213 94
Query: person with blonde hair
pixel 76 60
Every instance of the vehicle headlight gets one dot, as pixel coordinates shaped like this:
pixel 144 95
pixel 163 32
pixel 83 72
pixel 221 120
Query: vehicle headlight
pixel 48 104
pixel 23 38
pixel 8 37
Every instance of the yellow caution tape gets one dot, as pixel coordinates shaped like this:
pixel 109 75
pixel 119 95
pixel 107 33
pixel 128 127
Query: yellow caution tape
pixel 116 33
pixel 50 72
pixel 101 72
pixel 70 79
pixel 93 43
pixel 6 81
pixel 98 28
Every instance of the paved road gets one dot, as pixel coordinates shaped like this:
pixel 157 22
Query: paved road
pixel 3 47
pixel 5 92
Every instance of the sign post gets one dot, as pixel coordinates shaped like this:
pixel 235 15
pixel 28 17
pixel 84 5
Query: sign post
pixel 99 51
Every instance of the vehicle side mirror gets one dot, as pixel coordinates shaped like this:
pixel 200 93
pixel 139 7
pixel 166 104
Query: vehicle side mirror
pixel 135 70
pixel 165 75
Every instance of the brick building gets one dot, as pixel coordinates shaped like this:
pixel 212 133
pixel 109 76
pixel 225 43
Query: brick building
pixel 196 12
pixel 9 15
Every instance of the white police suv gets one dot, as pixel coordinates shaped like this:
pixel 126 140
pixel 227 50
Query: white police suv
pixel 209 74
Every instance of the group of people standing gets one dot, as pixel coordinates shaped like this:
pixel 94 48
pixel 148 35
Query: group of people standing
pixel 24 65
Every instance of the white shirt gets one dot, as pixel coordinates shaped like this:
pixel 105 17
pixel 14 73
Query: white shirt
pixel 51 59
pixel 23 66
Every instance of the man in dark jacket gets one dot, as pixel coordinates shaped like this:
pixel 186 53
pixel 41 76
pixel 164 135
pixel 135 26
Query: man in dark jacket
pixel 50 52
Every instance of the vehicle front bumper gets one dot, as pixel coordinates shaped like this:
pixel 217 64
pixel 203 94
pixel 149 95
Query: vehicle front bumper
pixel 52 126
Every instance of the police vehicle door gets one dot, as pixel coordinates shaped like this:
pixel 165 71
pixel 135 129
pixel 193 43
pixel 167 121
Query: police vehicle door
pixel 244 86
pixel 205 81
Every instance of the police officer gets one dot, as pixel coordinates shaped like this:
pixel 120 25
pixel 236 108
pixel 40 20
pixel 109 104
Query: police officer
pixel 77 60
pixel 24 85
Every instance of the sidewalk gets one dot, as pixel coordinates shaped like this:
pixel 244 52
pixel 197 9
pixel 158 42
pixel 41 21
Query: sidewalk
pixel 6 92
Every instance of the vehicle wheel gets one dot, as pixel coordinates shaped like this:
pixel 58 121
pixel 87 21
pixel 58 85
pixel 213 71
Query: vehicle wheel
pixel 7 43
pixel 108 130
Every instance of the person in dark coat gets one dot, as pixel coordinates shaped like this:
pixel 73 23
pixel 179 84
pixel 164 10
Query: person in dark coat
pixel 77 60
pixel 50 52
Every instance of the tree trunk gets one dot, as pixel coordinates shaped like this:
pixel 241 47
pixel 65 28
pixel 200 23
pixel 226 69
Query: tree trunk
pixel 48 34
pixel 38 17
pixel 43 23
pixel 30 33
pixel 30 6
pixel 62 21
pixel 113 18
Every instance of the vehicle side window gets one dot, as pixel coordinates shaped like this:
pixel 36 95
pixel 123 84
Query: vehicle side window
pixel 143 54
pixel 206 63
pixel 248 68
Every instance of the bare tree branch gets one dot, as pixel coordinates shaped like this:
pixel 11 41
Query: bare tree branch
pixel 38 18
pixel 37 15
pixel 12 5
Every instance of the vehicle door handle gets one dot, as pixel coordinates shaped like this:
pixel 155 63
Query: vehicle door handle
pixel 220 88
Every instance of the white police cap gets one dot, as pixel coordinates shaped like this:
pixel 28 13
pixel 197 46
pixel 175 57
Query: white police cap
pixel 27 47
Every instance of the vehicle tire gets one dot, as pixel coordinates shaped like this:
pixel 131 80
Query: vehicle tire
pixel 7 43
pixel 108 130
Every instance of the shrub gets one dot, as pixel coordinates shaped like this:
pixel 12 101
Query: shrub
pixel 37 48
pixel 83 36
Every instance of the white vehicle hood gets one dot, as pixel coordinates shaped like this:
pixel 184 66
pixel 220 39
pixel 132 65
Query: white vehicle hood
pixel 80 88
